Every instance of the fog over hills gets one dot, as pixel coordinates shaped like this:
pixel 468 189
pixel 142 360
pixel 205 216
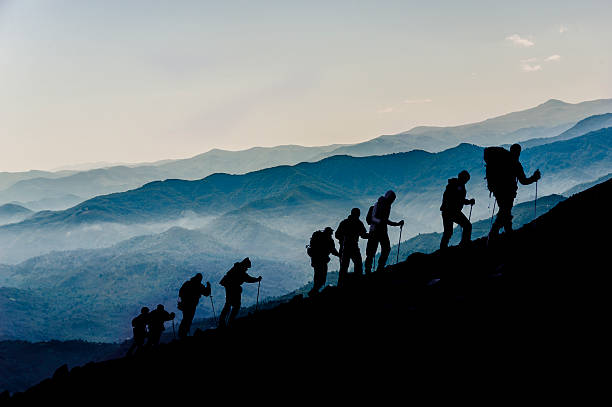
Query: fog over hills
pixel 45 190
pixel 10 213
pixel 95 278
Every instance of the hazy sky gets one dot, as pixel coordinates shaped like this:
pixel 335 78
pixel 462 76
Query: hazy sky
pixel 132 81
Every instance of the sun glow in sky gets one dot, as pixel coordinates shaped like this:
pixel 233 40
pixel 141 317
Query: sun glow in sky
pixel 133 81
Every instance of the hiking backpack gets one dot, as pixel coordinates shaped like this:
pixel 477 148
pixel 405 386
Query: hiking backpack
pixel 369 215
pixel 498 172
pixel 317 243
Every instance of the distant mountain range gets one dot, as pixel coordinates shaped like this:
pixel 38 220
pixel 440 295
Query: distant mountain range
pixel 587 125
pixel 294 200
pixel 268 215
pixel 45 190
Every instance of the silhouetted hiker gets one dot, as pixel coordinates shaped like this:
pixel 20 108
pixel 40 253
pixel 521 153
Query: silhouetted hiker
pixel 452 204
pixel 232 281
pixel 503 170
pixel 320 247
pixel 155 322
pixel 139 327
pixel 190 294
pixel 378 219
pixel 348 233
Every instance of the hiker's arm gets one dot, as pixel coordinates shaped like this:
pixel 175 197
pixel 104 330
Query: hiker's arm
pixel 469 201
pixel 363 232
pixel 205 289
pixel 250 279
pixel 391 223
pixel 333 250
pixel 523 179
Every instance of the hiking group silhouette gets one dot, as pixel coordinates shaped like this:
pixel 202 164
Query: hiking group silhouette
pixel 503 172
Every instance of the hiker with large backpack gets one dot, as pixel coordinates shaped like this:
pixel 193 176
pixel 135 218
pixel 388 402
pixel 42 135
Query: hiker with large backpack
pixel 453 201
pixel 348 233
pixel 155 322
pixel 503 169
pixel 320 247
pixel 139 327
pixel 232 282
pixel 190 294
pixel 378 219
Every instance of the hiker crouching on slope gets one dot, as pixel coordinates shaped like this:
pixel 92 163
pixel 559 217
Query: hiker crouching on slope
pixel 453 201
pixel 232 281
pixel 348 233
pixel 155 322
pixel 190 294
pixel 139 327
pixel 378 231
pixel 503 171
pixel 320 247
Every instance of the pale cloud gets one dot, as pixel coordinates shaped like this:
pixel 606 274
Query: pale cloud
pixel 414 101
pixel 562 29
pixel 553 58
pixel 386 110
pixel 520 41
pixel 527 67
pixel 528 60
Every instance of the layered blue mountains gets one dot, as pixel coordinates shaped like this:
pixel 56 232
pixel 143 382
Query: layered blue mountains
pixel 82 251
pixel 40 190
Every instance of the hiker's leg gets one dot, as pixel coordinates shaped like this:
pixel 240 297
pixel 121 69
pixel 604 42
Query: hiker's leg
pixel 499 219
pixel 320 276
pixel 385 249
pixel 132 348
pixel 185 325
pixel 504 217
pixel 344 265
pixel 371 249
pixel 235 309
pixel 447 222
pixel 225 310
pixel 466 226
pixel 357 262
pixel 154 338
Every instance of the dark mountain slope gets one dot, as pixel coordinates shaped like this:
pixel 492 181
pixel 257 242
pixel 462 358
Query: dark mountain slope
pixel 430 242
pixel 22 363
pixel 586 185
pixel 535 301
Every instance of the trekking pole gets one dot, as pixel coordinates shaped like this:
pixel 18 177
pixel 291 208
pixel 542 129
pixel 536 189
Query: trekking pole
pixel 213 309
pixel 399 242
pixel 470 217
pixel 257 303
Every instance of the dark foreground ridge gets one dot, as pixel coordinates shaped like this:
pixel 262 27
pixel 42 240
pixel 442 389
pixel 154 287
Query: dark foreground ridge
pixel 532 305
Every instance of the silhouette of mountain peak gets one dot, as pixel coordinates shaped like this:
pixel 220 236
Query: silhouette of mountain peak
pixel 553 102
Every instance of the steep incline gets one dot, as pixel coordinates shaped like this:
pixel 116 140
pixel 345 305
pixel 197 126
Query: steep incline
pixel 535 300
